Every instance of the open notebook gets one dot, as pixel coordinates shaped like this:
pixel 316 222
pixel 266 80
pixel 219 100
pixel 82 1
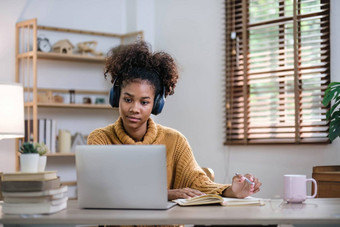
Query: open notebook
pixel 216 199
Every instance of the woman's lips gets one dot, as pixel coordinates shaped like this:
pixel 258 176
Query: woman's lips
pixel 133 119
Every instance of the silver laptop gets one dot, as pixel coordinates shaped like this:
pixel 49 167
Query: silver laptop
pixel 122 176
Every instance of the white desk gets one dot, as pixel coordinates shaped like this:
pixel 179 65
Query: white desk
pixel 313 211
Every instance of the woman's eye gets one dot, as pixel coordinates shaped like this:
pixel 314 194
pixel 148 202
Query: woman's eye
pixel 145 102
pixel 127 99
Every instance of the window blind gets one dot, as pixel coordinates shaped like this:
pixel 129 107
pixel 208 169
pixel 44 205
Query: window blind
pixel 277 69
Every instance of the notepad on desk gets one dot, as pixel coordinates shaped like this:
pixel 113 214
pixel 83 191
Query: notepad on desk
pixel 217 199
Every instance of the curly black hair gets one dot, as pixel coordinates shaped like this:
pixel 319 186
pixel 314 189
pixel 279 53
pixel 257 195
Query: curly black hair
pixel 127 63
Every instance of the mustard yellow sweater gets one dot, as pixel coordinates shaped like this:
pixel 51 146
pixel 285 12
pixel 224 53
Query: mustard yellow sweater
pixel 182 168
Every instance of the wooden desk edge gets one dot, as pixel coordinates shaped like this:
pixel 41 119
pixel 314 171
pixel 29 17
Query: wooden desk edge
pixel 75 216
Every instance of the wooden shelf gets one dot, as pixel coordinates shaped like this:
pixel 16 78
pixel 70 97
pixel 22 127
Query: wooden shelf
pixel 77 31
pixel 81 106
pixel 76 91
pixel 74 106
pixel 63 57
pixel 26 71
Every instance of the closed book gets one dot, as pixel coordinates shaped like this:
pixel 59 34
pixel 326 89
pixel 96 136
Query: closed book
pixel 48 125
pixel 56 191
pixel 36 199
pixel 30 186
pixel 35 208
pixel 54 137
pixel 216 199
pixel 21 176
pixel 42 138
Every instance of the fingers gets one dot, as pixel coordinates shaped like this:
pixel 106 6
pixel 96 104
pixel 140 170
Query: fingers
pixel 245 185
pixel 247 177
pixel 257 184
pixel 189 192
pixel 250 177
pixel 183 193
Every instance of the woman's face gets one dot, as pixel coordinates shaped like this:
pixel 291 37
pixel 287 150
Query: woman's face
pixel 135 104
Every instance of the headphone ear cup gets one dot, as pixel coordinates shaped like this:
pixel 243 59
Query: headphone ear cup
pixel 114 95
pixel 111 97
pixel 159 104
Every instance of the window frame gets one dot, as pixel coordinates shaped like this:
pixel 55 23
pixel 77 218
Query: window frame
pixel 237 15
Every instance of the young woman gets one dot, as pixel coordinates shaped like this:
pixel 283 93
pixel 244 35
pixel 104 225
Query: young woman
pixel 141 81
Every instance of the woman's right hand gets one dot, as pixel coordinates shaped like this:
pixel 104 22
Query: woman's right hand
pixel 183 193
pixel 240 188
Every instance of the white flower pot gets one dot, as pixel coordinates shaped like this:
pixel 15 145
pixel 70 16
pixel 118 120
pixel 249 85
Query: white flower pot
pixel 29 162
pixel 42 163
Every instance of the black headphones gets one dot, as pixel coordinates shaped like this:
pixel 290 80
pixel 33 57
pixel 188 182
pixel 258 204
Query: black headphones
pixel 157 105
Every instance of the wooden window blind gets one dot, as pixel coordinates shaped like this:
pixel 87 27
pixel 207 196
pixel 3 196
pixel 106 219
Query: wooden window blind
pixel 277 69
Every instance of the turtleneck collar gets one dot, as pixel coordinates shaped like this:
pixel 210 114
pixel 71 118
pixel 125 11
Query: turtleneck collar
pixel 149 137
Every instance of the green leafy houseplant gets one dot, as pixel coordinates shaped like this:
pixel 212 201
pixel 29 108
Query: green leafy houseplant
pixel 28 148
pixel 333 114
pixel 32 157
pixel 33 148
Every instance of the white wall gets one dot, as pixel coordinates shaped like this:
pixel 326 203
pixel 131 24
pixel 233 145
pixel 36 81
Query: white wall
pixel 102 16
pixel 9 12
pixel 192 31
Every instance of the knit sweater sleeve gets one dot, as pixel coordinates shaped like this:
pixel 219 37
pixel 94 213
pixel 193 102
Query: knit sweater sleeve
pixel 189 174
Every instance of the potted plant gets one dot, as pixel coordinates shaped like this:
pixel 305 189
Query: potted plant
pixel 29 158
pixel 332 93
pixel 32 158
pixel 42 150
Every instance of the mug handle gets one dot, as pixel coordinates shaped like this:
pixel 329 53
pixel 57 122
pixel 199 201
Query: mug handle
pixel 316 188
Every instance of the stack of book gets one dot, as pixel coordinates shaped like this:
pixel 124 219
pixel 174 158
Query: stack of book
pixel 33 193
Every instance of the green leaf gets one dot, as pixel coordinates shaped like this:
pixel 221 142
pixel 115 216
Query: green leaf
pixel 327 98
pixel 334 84
pixel 330 94
pixel 330 112
pixel 333 114
pixel 27 148
pixel 334 127
pixel 336 115
pixel 335 133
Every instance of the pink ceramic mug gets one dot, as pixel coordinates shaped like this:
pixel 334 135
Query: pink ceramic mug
pixel 295 190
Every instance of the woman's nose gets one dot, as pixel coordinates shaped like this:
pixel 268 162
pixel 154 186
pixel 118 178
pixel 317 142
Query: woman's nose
pixel 134 108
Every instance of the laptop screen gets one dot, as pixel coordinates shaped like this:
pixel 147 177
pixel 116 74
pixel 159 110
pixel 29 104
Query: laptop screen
pixel 121 176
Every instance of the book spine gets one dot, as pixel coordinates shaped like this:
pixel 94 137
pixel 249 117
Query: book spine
pixel 28 130
pixel 48 133
pixel 54 136
pixel 42 131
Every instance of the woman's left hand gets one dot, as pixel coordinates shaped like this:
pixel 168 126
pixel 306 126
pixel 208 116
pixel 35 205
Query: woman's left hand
pixel 241 188
pixel 183 193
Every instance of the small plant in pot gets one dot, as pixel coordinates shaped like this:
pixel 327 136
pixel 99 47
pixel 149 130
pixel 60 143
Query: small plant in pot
pixel 32 158
pixel 29 157
pixel 333 115
pixel 42 150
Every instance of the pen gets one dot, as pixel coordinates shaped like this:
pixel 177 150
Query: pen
pixel 250 182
